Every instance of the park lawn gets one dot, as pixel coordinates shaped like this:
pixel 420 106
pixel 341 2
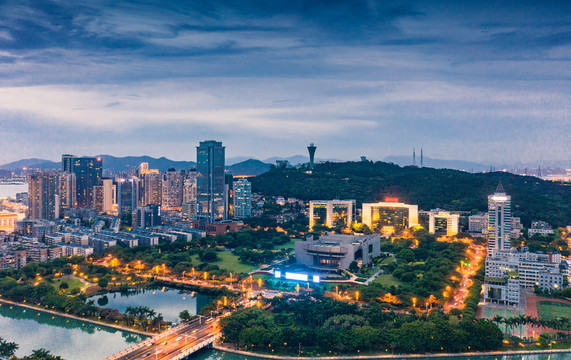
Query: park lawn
pixel 387 260
pixel 72 282
pixel 550 310
pixel 228 261
pixel 290 245
pixel 387 280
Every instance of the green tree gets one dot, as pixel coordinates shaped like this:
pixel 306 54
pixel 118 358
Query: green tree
pixel 103 282
pixel 353 267
pixel 185 316
pixel 7 349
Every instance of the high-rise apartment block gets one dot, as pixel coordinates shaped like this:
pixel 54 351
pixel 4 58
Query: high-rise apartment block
pixel 242 198
pixel 331 213
pixel 88 171
pixel 499 220
pixel 389 217
pixel 172 184
pixel 228 196
pixel 210 180
pixel 104 196
pixel 67 191
pixel 43 198
pixel 127 193
pixel 189 194
pixel 151 187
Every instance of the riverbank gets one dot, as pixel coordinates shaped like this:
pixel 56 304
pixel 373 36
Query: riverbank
pixel 113 326
pixel 390 356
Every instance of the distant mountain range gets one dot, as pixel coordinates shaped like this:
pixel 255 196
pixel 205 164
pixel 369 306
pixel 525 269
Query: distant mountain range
pixel 123 164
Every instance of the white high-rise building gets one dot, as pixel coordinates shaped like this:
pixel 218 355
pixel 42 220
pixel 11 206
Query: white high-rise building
pixel 499 220
pixel 242 198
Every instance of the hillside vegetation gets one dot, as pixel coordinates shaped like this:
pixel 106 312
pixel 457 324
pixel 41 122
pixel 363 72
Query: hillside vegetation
pixel 532 198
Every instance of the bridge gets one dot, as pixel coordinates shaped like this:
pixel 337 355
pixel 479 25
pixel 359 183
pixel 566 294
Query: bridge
pixel 174 344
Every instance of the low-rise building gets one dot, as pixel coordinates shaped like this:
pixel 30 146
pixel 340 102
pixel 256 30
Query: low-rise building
pixel 506 268
pixel 332 252
pixel 540 228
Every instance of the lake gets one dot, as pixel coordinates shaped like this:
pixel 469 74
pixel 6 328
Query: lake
pixel 68 338
pixel 74 339
pixel 10 190
pixel 169 302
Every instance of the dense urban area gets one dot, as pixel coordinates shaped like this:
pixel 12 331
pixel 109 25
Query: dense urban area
pixel 311 259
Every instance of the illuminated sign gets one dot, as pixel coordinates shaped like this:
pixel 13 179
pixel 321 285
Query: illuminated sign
pixel 499 198
pixel 392 199
pixel 277 274
pixel 315 278
pixel 298 277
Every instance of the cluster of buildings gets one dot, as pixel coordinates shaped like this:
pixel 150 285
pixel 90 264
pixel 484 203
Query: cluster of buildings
pixel 45 240
pixel 509 272
pixel 385 217
pixel 206 193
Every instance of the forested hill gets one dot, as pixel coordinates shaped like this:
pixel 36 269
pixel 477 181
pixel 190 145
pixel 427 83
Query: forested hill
pixel 532 198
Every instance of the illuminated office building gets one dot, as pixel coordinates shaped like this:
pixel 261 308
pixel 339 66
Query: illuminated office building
pixel 499 220
pixel 88 171
pixel 127 193
pixel 151 190
pixel 104 196
pixel 67 191
pixel 440 222
pixel 210 180
pixel 389 217
pixel 172 190
pixel 43 198
pixel 331 213
pixel 242 198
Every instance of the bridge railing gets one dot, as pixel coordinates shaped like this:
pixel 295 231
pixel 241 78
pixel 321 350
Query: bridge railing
pixel 148 341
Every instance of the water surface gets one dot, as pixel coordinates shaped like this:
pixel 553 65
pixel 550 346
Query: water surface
pixel 169 302
pixel 68 338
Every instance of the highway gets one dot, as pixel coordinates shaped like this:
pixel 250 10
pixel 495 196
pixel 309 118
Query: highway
pixel 172 344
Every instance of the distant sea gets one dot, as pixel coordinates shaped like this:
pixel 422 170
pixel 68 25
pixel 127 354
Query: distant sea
pixel 10 190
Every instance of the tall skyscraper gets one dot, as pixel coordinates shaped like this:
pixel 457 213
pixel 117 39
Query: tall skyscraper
pixel 151 187
pixel 67 191
pixel 43 198
pixel 127 193
pixel 88 171
pixel 499 220
pixel 311 148
pixel 242 198
pixel 228 196
pixel 172 190
pixel 104 196
pixel 189 194
pixel 210 180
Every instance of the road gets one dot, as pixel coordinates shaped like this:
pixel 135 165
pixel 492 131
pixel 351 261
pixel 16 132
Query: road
pixel 172 344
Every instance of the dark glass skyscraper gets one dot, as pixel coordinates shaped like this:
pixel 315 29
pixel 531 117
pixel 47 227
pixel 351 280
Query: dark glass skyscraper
pixel 210 180
pixel 88 172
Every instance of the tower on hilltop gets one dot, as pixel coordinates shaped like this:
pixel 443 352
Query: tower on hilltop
pixel 311 148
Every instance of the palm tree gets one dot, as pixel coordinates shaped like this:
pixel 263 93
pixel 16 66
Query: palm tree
pixel 497 319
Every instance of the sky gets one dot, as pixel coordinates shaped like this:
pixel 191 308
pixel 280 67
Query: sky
pixel 484 81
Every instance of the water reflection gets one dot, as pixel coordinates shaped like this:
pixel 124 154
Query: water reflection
pixel 69 338
pixel 167 301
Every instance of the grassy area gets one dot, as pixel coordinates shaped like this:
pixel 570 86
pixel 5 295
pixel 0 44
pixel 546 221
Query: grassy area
pixel 387 280
pixel 387 260
pixel 229 261
pixel 550 310
pixel 290 245
pixel 72 282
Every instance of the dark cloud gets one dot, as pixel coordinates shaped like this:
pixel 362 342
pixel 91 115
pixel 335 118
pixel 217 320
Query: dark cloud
pixel 441 73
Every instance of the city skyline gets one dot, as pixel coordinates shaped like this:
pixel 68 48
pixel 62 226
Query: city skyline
pixel 480 82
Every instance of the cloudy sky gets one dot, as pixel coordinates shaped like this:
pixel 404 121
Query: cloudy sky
pixel 471 80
